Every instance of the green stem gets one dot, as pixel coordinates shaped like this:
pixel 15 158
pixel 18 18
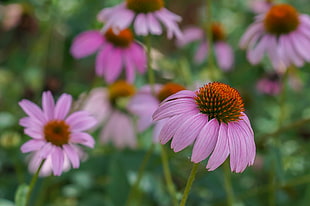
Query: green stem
pixel 33 182
pixel 167 174
pixel 134 188
pixel 189 183
pixel 150 72
pixel 228 185
pixel 210 59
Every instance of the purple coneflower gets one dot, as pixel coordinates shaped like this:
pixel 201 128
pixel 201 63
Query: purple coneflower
pixel 55 134
pixel 146 16
pixel 223 51
pixel 115 51
pixel 145 102
pixel 282 33
pixel 269 84
pixel 213 119
pixel 108 105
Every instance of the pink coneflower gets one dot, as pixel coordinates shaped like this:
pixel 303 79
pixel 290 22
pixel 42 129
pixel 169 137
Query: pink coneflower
pixel 282 33
pixel 55 133
pixel 108 105
pixel 115 51
pixel 146 16
pixel 270 84
pixel 145 102
pixel 223 51
pixel 213 117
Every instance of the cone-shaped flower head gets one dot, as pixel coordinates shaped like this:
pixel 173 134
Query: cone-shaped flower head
pixel 115 51
pixel 282 33
pixel 223 51
pixel 213 119
pixel 146 101
pixel 146 16
pixel 55 134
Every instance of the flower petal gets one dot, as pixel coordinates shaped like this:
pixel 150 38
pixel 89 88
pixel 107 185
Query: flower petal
pixel 113 65
pixel 33 111
pixel 72 155
pixel 32 145
pixel 57 161
pixel 48 105
pixel 80 121
pixel 63 106
pixel 82 138
pixel 140 25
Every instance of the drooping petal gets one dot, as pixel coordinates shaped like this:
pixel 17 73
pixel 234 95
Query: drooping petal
pixel 80 121
pixel 102 59
pixel 206 141
pixel 86 43
pixel 140 25
pixel 32 145
pixel 129 66
pixel 63 106
pixel 153 24
pixel 46 150
pixel 170 21
pixel 224 55
pixel 57 161
pixel 82 138
pixel 48 105
pixel 188 131
pixel 138 56
pixel 190 34
pixel 221 150
pixel 301 45
pixel 113 65
pixel 201 53
pixel 72 155
pixel 253 30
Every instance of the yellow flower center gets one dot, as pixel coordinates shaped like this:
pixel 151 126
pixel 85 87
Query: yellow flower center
pixel 281 19
pixel 169 89
pixel 144 6
pixel 120 89
pixel 57 132
pixel 123 39
pixel 220 101
pixel 217 32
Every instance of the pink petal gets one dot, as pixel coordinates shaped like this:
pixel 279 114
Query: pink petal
pixel 129 67
pixel 170 20
pixel 290 53
pixel 57 161
pixel 153 24
pixel 141 103
pixel 180 94
pixel 48 105
pixel 113 65
pixel 72 154
pixel 201 53
pixel 80 121
pixel 188 131
pixel 32 145
pixel 206 141
pixel 256 54
pixel 34 133
pixel 33 111
pixel 46 150
pixel 82 138
pixel 140 25
pixel 157 129
pixel 138 56
pixel 301 45
pixel 63 106
pixel 190 34
pixel 102 59
pixel 224 55
pixel 253 30
pixel 86 43
pixel 221 150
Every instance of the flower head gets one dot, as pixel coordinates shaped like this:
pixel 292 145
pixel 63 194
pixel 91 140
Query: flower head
pixel 115 51
pixel 212 118
pixel 55 134
pixel 146 16
pixel 223 51
pixel 270 84
pixel 145 102
pixel 109 106
pixel 282 33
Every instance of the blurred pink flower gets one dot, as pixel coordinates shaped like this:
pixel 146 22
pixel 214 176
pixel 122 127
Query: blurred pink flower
pixel 260 6
pixel 145 15
pixel 223 51
pixel 114 52
pixel 145 102
pixel 270 84
pixel 54 135
pixel 282 33
pixel 108 105
pixel 212 118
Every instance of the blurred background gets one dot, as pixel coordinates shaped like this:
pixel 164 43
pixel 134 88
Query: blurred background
pixel 35 39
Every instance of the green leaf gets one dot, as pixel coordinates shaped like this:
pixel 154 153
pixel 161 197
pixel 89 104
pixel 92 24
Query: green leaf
pixel 4 202
pixel 21 195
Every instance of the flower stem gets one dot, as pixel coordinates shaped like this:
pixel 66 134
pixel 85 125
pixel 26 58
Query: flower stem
pixel 134 188
pixel 228 185
pixel 33 182
pixel 189 183
pixel 150 72
pixel 167 175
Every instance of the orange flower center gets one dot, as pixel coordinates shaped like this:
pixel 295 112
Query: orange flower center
pixel 144 6
pixel 123 39
pixel 57 132
pixel 169 89
pixel 120 89
pixel 281 19
pixel 217 32
pixel 219 101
